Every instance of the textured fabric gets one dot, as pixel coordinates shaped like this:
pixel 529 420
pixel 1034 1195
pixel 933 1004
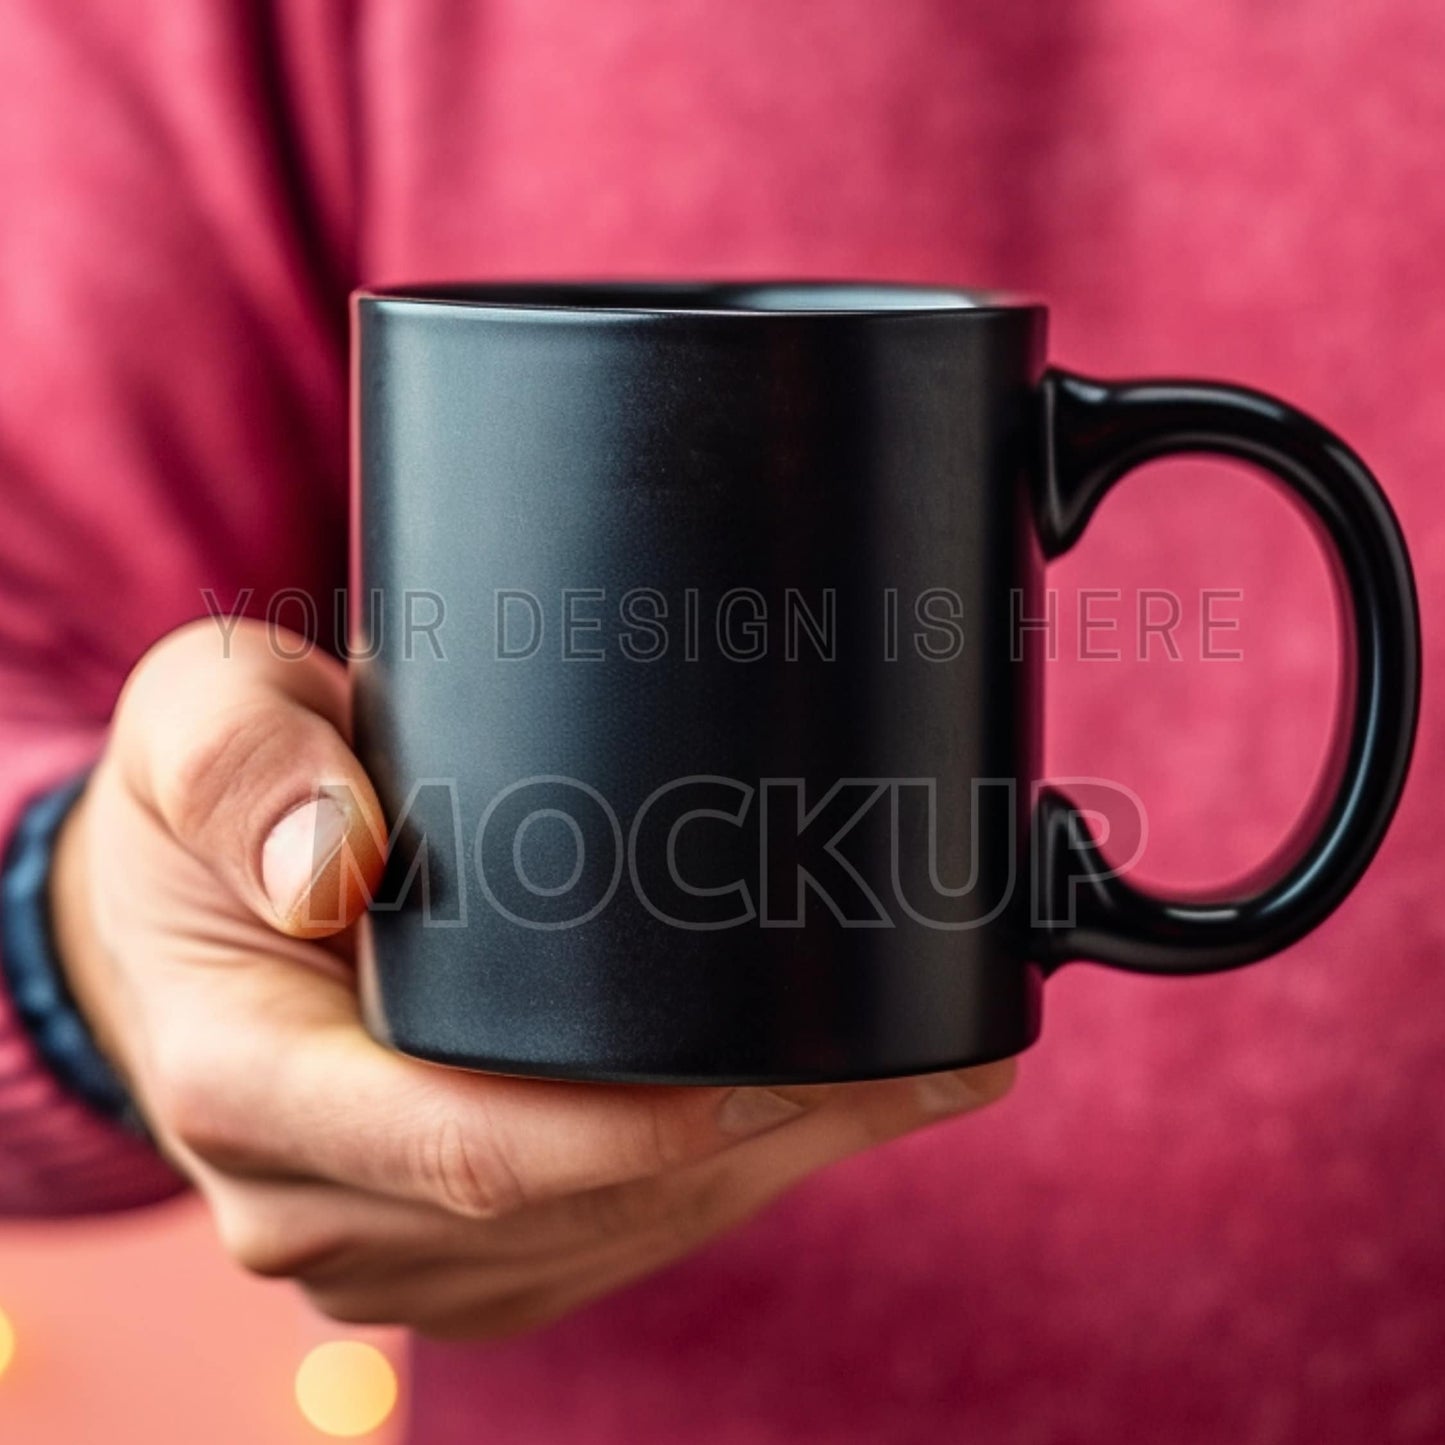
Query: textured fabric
pixel 32 974
pixel 1211 1209
pixel 58 1155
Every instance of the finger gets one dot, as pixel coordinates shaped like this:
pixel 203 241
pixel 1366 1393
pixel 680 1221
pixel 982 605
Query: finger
pixel 853 1119
pixel 367 1260
pixel 238 744
pixel 653 1223
pixel 632 1230
pixel 322 1233
pixel 667 1217
pixel 263 1068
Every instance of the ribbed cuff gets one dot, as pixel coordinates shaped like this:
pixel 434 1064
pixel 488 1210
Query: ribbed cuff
pixel 31 966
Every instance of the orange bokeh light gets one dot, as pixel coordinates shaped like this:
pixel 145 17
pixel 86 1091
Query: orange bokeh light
pixel 346 1388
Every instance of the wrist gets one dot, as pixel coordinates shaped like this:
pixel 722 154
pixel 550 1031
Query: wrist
pixel 49 951
pixel 80 956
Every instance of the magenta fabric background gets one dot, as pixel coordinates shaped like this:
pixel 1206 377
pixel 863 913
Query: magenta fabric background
pixel 1212 1209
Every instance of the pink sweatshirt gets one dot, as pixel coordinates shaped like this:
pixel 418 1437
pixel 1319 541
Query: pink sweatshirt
pixel 1211 1211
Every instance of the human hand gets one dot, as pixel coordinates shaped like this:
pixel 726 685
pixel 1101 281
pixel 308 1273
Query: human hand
pixel 393 1191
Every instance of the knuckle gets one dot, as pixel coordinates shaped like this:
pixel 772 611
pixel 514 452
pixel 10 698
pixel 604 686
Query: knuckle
pixel 270 1246
pixel 209 765
pixel 468 1171
pixel 176 659
pixel 673 1137
pixel 197 1098
pixel 180 651
pixel 182 1098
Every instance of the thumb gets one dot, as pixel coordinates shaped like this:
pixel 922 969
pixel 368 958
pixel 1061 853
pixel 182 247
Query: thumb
pixel 238 743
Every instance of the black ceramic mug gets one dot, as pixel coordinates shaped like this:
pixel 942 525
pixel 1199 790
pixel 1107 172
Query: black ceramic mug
pixel 691 664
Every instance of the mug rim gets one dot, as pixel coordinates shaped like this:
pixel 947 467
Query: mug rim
pixel 721 299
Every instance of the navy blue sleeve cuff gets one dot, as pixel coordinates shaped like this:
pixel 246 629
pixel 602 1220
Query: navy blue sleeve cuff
pixel 31 966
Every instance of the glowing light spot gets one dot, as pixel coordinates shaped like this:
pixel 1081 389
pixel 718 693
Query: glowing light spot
pixel 346 1388
pixel 7 1342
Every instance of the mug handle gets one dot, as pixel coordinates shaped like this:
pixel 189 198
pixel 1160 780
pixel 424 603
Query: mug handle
pixel 1093 433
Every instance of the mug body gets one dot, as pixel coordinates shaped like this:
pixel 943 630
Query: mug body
pixel 687 665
